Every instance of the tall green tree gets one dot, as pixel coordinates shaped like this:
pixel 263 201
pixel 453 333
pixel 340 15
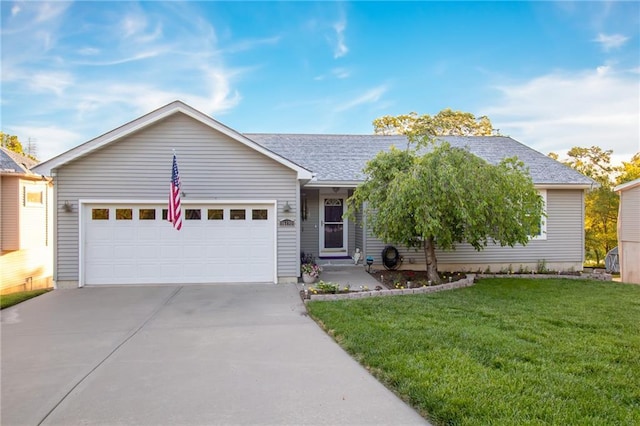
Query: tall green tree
pixel 445 197
pixel 445 123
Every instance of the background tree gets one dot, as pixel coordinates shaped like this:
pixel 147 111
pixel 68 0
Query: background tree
pixel 444 197
pixel 629 171
pixel 444 123
pixel 601 204
pixel 11 143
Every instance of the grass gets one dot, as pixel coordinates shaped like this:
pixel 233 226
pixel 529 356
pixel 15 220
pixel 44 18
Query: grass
pixel 7 300
pixel 505 351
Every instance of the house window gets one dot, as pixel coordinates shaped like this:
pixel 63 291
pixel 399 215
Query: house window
pixel 124 214
pixel 542 229
pixel 100 214
pixel 215 214
pixel 237 214
pixel 33 197
pixel 259 214
pixel 147 214
pixel 192 214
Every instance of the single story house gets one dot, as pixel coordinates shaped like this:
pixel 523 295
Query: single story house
pixel 26 243
pixel 629 231
pixel 252 203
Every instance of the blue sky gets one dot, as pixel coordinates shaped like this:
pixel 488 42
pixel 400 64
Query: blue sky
pixel 552 75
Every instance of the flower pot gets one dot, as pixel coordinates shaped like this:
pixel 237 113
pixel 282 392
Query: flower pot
pixel 308 279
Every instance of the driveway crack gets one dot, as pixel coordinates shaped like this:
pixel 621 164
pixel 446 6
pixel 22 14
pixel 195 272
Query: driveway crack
pixel 110 354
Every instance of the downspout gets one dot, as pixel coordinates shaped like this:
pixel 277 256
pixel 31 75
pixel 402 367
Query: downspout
pixel 54 182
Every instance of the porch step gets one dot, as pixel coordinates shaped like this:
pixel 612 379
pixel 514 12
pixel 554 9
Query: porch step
pixel 336 262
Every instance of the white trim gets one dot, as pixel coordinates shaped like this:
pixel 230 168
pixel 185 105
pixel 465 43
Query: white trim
pixel 83 202
pixel 543 225
pixel 153 117
pixel 298 221
pixel 333 183
pixel 566 186
pixel 627 185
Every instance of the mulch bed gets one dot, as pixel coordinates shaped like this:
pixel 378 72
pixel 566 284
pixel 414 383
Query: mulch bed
pixel 411 279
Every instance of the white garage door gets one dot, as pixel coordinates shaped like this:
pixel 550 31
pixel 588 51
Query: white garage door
pixel 134 244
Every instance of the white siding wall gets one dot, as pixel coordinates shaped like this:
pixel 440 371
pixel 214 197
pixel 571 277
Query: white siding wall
pixel 33 217
pixel 212 166
pixel 26 259
pixel 562 249
pixel 629 235
pixel 629 216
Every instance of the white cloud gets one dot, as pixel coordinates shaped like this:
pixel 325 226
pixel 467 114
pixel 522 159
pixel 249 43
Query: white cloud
pixel 558 111
pixel 250 44
pixel 340 73
pixel 89 51
pixel 55 82
pixel 50 141
pixel 15 10
pixel 341 48
pixel 611 41
pixel 369 97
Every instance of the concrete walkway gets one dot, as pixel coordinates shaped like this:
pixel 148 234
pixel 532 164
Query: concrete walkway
pixel 182 355
pixel 352 275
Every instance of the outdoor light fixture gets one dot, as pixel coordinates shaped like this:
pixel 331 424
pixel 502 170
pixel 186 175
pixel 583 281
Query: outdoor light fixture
pixel 369 263
pixel 286 208
pixel 67 207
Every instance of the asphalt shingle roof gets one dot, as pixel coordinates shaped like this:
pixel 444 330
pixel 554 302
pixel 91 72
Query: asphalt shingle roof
pixel 12 161
pixel 342 157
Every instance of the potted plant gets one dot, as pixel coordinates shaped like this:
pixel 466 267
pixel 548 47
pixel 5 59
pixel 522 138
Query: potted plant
pixel 310 272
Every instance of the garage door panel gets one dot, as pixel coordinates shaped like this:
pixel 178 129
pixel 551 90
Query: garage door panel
pixel 204 251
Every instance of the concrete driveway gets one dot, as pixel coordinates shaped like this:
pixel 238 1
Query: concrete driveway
pixel 182 355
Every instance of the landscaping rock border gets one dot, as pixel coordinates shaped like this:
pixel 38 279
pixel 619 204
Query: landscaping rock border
pixel 465 282
pixel 596 275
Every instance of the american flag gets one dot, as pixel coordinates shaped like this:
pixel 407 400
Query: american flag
pixel 175 212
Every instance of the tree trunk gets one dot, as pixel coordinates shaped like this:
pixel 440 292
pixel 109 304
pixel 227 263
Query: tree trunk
pixel 432 262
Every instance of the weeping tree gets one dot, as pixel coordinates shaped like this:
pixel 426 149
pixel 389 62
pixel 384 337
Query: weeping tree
pixel 446 196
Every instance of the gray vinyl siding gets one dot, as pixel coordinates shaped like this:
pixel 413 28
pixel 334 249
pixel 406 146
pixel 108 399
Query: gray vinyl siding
pixel 564 242
pixel 630 215
pixel 359 231
pixel 138 167
pixel 309 232
pixel 351 226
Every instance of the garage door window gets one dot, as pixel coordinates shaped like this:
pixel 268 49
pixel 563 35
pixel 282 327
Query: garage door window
pixel 124 214
pixel 192 214
pixel 215 214
pixel 100 214
pixel 259 214
pixel 237 214
pixel 147 214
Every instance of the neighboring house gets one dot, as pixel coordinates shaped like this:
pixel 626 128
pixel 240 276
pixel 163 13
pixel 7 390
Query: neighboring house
pixel 26 245
pixel 629 231
pixel 253 202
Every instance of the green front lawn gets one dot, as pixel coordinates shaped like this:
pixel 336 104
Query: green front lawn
pixel 7 300
pixel 506 351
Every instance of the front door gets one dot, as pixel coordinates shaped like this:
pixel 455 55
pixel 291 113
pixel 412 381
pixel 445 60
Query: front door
pixel 333 228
